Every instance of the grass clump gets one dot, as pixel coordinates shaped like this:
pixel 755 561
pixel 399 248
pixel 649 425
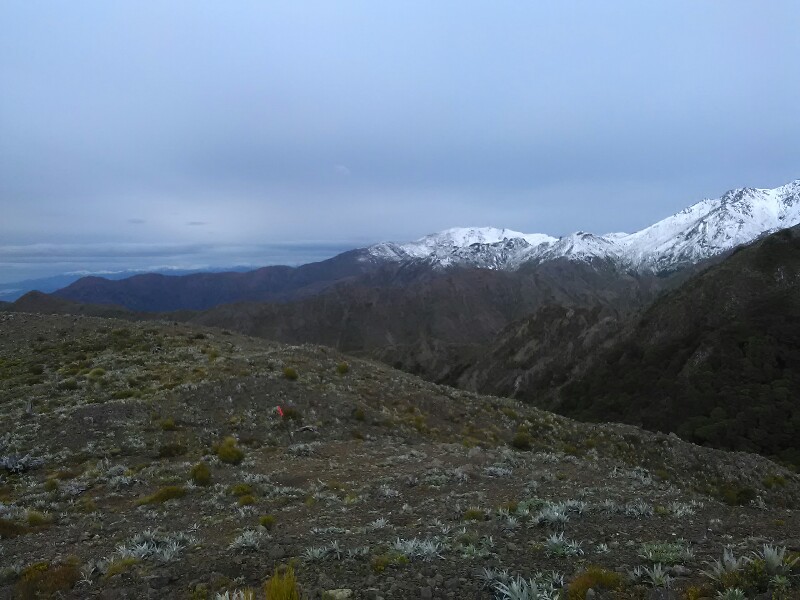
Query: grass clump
pixel 37 519
pixel 595 578
pixel 474 514
pixel 168 424
pixel 240 489
pixel 45 580
pixel 228 452
pixel 97 373
pixel 380 562
pixel 172 449
pixel 342 368
pixel 9 529
pixel 200 474
pixel 282 585
pixel 120 565
pixel 522 440
pixel 246 500
pixel 169 492
pixel 267 521
pixel 290 373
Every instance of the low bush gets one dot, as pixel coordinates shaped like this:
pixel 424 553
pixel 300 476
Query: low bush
pixel 229 452
pixel 200 474
pixel 282 585
pixel 169 492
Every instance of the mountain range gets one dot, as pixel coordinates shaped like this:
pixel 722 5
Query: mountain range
pixel 686 326
pixel 699 232
pixel 702 231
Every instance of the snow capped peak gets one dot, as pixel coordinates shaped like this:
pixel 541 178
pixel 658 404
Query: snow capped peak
pixel 462 237
pixel 700 231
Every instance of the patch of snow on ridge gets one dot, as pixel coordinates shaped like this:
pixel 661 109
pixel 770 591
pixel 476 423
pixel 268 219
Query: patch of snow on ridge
pixel 700 231
pixel 463 237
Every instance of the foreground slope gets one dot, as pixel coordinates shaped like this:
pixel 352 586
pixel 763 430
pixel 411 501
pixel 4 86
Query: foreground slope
pixel 152 462
pixel 716 360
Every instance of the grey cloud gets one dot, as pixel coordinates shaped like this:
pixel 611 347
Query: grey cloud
pixel 366 121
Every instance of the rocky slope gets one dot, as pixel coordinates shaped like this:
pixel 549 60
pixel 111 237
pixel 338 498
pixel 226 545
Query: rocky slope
pixel 149 460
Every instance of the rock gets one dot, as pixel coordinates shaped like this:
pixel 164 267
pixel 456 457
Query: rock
pixel 590 594
pixel 340 594
pixel 371 594
pixel 426 593
pixel 325 582
pixel 451 583
pixel 680 571
pixel 276 552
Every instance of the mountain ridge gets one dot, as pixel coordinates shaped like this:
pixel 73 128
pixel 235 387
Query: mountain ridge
pixel 700 231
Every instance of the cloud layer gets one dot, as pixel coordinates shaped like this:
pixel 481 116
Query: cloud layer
pixel 214 125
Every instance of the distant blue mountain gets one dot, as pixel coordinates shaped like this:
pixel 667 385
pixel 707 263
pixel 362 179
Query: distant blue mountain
pixel 9 292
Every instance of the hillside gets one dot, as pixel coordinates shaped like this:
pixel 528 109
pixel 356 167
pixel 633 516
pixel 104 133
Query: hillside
pixel 431 323
pixel 150 460
pixel 716 360
pixel 158 293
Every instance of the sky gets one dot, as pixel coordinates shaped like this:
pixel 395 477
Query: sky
pixel 207 133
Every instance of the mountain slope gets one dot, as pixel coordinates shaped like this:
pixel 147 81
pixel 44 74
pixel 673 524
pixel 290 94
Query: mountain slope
pixel 716 360
pixel 158 466
pixel 432 322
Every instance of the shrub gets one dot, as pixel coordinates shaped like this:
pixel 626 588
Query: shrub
pixel 168 424
pixel 522 440
pixel 282 585
pixel 247 500
pixel 290 373
pixel 44 580
pixel 200 474
pixel 291 413
pixel 169 492
pixel 240 489
pixel 172 449
pixel 51 485
pixel 9 529
pixel 229 452
pixel 359 415
pixel 37 519
pixel 267 521
pixel 379 562
pixel 595 578
pixel 120 565
pixel 96 373
pixel 342 368
pixel 68 385
pixel 474 514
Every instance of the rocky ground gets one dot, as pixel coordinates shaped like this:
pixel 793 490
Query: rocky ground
pixel 157 460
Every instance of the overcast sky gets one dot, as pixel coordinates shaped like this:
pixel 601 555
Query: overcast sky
pixel 212 133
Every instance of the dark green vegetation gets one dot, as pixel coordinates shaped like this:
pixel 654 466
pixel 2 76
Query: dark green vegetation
pixel 717 360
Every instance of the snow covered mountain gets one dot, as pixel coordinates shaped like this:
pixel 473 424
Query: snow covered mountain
pixel 703 230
